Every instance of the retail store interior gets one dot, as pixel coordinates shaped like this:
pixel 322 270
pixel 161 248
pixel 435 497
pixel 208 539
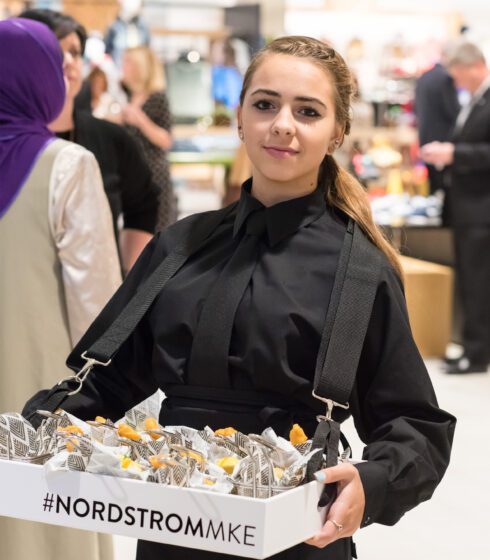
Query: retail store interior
pixel 204 47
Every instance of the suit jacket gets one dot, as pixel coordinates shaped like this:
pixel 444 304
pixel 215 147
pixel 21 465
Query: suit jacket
pixel 436 105
pixel 468 196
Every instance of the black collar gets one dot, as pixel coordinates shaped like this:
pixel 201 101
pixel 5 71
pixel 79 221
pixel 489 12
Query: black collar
pixel 284 218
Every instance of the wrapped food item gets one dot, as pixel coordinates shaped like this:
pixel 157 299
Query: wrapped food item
pixel 225 432
pixel 126 431
pixel 104 431
pixel 153 428
pixel 213 481
pixel 18 439
pixel 149 408
pixel 228 463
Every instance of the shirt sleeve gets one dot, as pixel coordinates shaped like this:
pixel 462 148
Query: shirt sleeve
pixel 408 437
pixel 160 111
pixel 82 230
pixel 139 195
pixel 471 157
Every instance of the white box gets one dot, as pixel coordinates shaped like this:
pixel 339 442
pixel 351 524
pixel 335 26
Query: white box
pixel 247 527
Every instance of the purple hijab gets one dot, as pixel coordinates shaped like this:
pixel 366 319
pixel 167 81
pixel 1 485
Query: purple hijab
pixel 32 94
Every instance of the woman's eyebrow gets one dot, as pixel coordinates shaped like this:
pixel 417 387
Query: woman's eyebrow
pixel 298 98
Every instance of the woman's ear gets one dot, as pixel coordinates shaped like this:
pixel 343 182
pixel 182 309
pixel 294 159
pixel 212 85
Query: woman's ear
pixel 239 122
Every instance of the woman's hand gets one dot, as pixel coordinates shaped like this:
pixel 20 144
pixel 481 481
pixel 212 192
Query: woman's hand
pixel 345 515
pixel 133 115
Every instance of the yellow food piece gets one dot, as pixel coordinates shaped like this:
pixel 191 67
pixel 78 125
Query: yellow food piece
pixel 225 432
pixel 126 462
pixel 297 435
pixel 155 461
pixel 196 456
pixel 127 432
pixel 71 443
pixel 100 419
pixel 227 463
pixel 152 424
pixel 70 447
pixel 209 482
pixel 71 430
pixel 278 472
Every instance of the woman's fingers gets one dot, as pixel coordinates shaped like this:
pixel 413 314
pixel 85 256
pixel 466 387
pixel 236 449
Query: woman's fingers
pixel 327 535
pixel 345 515
pixel 341 472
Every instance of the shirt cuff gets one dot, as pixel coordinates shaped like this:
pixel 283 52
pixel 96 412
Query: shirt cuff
pixel 374 478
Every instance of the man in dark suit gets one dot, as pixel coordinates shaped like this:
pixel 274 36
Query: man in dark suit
pixel 436 107
pixel 467 161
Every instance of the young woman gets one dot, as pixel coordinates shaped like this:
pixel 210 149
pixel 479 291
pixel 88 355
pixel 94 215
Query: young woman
pixel 241 321
pixel 147 117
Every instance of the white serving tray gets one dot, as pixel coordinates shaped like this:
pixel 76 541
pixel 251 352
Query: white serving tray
pixel 242 526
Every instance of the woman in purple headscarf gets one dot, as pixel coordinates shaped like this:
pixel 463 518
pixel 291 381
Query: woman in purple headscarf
pixel 59 263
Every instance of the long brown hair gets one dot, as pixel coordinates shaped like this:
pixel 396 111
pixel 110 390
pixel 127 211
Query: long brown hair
pixel 342 190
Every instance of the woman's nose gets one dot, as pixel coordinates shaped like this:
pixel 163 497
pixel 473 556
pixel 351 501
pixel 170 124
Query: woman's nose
pixel 68 60
pixel 283 123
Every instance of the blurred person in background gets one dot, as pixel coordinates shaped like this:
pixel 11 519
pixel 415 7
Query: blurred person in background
pixel 147 118
pixel 57 249
pixel 466 160
pixel 436 108
pixel 126 31
pixel 126 176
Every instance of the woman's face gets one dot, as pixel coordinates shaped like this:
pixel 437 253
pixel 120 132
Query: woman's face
pixel 288 120
pixel 72 64
pixel 130 71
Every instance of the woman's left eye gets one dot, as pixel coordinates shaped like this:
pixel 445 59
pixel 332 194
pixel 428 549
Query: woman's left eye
pixel 309 112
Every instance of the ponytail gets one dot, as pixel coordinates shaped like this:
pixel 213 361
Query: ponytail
pixel 344 192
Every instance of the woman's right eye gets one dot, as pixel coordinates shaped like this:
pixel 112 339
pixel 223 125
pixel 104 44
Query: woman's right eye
pixel 263 105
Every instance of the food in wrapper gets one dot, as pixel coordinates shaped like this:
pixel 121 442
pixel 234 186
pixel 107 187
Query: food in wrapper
pixel 137 447
pixel 297 435
pixel 225 432
pixel 126 431
pixel 228 464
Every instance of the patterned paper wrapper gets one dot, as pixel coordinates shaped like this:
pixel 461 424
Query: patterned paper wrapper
pixel 149 408
pixel 17 437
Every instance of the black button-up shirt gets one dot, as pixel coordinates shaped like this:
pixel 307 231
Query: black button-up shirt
pixel 275 340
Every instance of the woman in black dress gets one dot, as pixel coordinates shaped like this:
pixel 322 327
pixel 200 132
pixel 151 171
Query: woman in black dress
pixel 244 314
pixel 147 117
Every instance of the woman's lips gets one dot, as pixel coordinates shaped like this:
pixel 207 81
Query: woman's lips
pixel 280 153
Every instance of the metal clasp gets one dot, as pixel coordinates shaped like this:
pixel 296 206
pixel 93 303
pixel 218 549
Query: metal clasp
pixel 83 373
pixel 330 406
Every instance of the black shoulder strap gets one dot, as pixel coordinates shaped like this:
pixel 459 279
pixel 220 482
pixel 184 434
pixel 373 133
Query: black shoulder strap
pixel 118 332
pixel 347 321
pixel 348 316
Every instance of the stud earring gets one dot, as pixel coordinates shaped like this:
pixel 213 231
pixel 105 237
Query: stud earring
pixel 240 133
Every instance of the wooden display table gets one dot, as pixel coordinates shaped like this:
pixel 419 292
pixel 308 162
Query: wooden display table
pixel 429 293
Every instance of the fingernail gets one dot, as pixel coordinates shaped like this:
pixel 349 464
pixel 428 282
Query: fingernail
pixel 320 476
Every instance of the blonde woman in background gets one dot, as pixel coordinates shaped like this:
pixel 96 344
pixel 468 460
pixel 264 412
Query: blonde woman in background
pixel 147 117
